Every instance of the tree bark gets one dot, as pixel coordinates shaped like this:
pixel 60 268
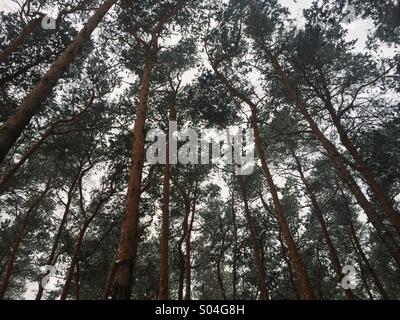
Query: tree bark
pixel 164 247
pixel 14 126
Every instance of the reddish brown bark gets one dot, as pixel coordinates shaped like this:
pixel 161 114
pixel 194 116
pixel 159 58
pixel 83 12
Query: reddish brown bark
pixel 127 249
pixel 17 241
pixel 14 126
pixel 392 215
pixel 256 245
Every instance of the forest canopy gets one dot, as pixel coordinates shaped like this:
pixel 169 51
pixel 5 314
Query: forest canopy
pixel 86 86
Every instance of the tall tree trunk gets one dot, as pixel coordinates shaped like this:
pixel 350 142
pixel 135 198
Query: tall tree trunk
pixel 256 245
pixel 129 230
pixel 14 126
pixel 299 265
pixel 17 242
pixel 318 213
pixel 336 158
pixel 17 42
pixel 127 249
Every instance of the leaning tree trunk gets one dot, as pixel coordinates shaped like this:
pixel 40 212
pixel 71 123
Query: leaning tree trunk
pixel 14 126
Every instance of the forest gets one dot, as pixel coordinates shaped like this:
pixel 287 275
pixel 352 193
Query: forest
pixel 84 214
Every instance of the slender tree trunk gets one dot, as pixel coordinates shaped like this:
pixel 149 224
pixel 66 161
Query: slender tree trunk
pixel 318 213
pixel 17 42
pixel 336 158
pixel 129 230
pixel 185 223
pixel 78 246
pixel 17 242
pixel 292 276
pixel 14 126
pixel 218 263
pixel 256 245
